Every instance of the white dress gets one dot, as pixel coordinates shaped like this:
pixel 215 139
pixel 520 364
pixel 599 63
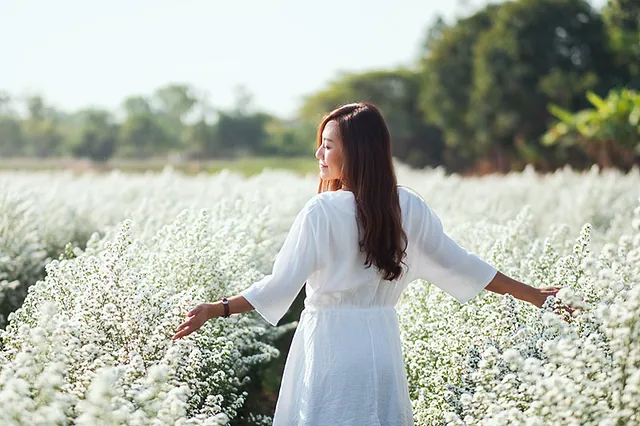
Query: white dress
pixel 345 364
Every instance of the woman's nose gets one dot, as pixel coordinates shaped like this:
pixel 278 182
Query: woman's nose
pixel 318 154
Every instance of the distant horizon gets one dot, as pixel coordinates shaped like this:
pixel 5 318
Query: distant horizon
pixel 76 58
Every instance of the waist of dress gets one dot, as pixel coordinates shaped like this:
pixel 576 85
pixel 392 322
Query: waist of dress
pixel 349 309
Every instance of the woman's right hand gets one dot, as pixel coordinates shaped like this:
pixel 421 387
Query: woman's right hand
pixel 196 319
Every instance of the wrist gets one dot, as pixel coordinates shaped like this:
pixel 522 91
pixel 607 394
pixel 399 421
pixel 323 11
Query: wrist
pixel 536 297
pixel 214 310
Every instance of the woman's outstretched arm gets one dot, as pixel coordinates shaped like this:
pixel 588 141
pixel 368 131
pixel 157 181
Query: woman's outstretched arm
pixel 502 284
pixel 205 311
pixel 272 296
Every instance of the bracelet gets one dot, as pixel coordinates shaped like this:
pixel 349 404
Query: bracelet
pixel 225 304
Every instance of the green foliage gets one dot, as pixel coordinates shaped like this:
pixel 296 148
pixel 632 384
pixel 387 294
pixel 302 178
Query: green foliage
pixel 534 48
pixel 199 139
pixel 12 137
pixel 290 139
pixel 42 129
pixel 447 78
pixel 396 94
pixel 475 100
pixel 623 23
pixel 609 131
pixel 98 136
pixel 241 133
pixel 141 136
pixel 174 103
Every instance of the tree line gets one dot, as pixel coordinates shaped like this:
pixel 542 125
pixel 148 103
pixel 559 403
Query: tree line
pixel 542 82
pixel 175 119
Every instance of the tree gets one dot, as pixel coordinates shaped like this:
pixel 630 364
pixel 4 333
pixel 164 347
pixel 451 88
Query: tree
pixel 434 34
pixel 137 105
pixel 41 129
pixel 141 135
pixel 11 138
pixel 609 132
pixel 396 94
pixel 199 140
pixel 241 130
pixel 98 136
pixel 241 134
pixel 536 52
pixel 623 23
pixel 447 79
pixel 173 104
pixel 290 139
pixel 176 100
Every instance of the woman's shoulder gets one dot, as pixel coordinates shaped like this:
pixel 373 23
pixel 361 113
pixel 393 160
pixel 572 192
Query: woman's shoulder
pixel 407 191
pixel 413 203
pixel 331 202
pixel 409 195
pixel 345 199
pixel 319 201
pixel 331 197
pixel 342 197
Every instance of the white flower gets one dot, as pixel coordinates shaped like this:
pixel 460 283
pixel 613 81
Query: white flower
pixel 91 339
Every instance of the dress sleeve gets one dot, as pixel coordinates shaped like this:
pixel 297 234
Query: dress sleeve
pixel 298 258
pixel 441 261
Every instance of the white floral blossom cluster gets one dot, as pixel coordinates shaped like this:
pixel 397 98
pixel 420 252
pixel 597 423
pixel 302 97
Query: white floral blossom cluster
pixel 603 198
pixel 499 361
pixel 41 214
pixel 91 343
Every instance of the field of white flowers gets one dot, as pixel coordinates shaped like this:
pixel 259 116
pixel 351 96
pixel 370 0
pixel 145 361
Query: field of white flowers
pixel 126 255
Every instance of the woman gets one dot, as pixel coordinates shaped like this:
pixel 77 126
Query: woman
pixel 357 244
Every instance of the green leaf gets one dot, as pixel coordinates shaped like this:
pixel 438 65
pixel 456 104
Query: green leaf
pixel 634 117
pixel 596 100
pixel 561 113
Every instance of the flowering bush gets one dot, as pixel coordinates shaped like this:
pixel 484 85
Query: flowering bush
pixel 90 344
pixel 498 361
pixel 42 213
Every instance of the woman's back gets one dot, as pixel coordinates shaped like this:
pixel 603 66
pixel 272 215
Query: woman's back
pixel 345 360
pixel 343 279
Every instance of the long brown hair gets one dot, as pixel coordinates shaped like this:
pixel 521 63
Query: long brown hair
pixel 368 171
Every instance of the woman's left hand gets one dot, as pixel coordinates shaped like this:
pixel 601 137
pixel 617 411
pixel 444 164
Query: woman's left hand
pixel 197 317
pixel 564 309
pixel 545 292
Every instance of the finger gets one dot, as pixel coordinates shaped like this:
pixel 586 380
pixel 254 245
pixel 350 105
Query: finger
pixel 177 336
pixel 182 333
pixel 193 312
pixel 183 325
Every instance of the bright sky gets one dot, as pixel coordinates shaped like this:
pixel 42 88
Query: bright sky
pixel 78 53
